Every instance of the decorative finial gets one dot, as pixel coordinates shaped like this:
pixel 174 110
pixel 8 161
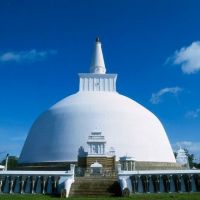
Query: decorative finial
pixel 97 39
pixel 97 65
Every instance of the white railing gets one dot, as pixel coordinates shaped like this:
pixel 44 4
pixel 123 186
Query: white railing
pixel 45 182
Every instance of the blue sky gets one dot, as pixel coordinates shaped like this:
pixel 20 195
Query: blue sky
pixel 154 46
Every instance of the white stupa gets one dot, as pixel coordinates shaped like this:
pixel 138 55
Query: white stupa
pixel 182 158
pixel 125 125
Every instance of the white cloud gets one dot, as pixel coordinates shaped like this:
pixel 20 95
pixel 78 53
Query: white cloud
pixel 188 58
pixel 193 114
pixel 26 56
pixel 192 147
pixel 156 97
pixel 19 138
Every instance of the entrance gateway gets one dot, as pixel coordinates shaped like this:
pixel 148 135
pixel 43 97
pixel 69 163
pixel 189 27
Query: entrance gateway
pixel 96 161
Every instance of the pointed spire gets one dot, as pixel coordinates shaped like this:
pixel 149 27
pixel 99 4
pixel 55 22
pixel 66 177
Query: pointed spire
pixel 97 65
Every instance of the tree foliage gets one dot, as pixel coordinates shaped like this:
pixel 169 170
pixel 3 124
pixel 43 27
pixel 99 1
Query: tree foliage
pixel 191 159
pixel 12 162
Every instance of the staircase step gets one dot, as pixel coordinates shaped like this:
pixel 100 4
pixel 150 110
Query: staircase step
pixel 94 186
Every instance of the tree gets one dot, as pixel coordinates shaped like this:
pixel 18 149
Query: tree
pixel 190 158
pixel 12 162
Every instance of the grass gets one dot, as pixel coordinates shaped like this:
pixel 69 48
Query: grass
pixel 184 196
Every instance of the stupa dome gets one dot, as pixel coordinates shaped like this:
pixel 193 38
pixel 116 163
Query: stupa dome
pixel 97 107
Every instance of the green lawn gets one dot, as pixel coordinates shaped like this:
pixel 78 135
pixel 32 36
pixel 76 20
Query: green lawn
pixel 192 196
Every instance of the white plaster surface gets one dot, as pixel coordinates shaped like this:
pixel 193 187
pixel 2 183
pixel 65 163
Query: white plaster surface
pixel 127 126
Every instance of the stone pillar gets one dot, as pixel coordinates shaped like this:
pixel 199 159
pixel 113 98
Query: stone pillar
pixel 38 188
pixel 145 183
pixel 22 186
pixel 90 149
pixel 49 185
pixel 1 183
pixel 166 183
pixel 43 185
pixel 175 179
pixel 190 177
pixel 8 183
pixel 197 182
pixel 179 184
pixel 11 185
pixel 183 188
pixel 27 185
pixel 193 183
pixel 122 165
pixel 148 183
pixel 55 184
pixel 156 183
pixel 161 184
pixel 140 187
pixel 91 146
pixel 134 183
pixel 119 168
pixel 188 183
pixel 126 166
pixel 131 166
pixel 151 184
pixel 172 186
pixel 17 185
pixel 33 178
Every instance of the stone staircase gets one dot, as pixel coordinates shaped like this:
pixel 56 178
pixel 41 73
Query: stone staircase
pixel 94 186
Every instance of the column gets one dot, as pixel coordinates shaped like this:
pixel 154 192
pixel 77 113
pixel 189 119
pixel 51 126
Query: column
pixel 156 184
pixel 151 185
pixel 33 185
pixel 48 185
pixel 17 185
pixel 134 165
pixel 26 183
pixel 140 187
pixel 55 184
pixel 179 184
pixel 90 149
pixel 193 183
pixel 161 184
pixel 22 187
pixel 1 185
pixel 43 184
pixel 167 184
pixel 183 189
pixel 133 183
pixel 11 185
pixel 39 185
pixel 129 166
pixel 172 186
pixel 188 182
pixel 145 183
